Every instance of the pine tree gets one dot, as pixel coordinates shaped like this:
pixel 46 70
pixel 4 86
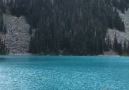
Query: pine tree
pixel 3 49
pixel 128 49
pixel 120 51
pixel 125 46
pixel 115 44
pixel 109 45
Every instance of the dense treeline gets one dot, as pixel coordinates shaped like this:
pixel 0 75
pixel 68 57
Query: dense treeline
pixel 3 49
pixel 70 26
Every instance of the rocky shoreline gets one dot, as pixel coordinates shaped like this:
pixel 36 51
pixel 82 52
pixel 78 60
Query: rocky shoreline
pixel 110 53
pixel 107 53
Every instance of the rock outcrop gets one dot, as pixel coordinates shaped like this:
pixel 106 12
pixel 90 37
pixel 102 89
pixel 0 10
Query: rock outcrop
pixel 110 53
pixel 121 36
pixel 17 37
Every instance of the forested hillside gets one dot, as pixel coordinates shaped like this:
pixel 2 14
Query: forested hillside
pixel 76 27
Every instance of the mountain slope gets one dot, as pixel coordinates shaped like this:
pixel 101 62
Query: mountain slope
pixel 77 27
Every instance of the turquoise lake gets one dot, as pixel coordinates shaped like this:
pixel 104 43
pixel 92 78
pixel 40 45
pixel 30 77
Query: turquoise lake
pixel 64 73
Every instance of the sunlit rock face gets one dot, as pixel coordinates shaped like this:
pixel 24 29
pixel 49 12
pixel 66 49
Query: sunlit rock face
pixel 17 37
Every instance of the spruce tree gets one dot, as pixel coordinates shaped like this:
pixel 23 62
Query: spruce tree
pixel 115 44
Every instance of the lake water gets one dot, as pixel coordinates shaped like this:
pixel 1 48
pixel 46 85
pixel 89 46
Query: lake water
pixel 64 73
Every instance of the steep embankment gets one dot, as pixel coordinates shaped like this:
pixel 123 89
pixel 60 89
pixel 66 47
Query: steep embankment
pixel 17 37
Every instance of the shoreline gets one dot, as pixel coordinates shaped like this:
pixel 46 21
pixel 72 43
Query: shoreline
pixel 110 53
pixel 29 54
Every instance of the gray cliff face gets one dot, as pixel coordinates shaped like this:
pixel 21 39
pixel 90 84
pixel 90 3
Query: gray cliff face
pixel 125 18
pixel 17 37
pixel 121 36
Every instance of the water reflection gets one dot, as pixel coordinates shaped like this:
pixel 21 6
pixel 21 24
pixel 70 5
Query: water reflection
pixel 2 59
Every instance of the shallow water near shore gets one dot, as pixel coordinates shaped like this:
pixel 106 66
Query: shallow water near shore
pixel 64 73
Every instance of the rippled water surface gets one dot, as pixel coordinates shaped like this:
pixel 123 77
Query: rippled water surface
pixel 64 73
